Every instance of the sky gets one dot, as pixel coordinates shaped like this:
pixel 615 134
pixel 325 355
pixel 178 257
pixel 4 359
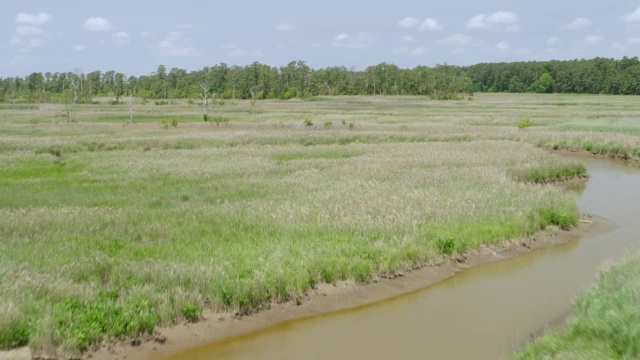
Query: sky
pixel 134 37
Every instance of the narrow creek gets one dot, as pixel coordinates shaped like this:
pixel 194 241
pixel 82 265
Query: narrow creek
pixel 486 312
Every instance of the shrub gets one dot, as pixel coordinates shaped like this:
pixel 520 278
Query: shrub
pixel 14 333
pixel 220 120
pixel 166 123
pixel 563 220
pixel 524 123
pixel 308 122
pixel 190 312
pixel 445 246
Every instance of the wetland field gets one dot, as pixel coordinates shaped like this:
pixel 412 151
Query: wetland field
pixel 110 229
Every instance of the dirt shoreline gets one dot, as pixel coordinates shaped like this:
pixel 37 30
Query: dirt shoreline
pixel 326 299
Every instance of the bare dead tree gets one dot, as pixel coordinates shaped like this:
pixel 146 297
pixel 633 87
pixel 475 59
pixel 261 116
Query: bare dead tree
pixel 131 107
pixel 71 113
pixel 205 98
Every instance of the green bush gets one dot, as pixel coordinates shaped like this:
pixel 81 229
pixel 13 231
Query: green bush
pixel 524 123
pixel 191 312
pixel 14 333
pixel 564 220
pixel 445 246
pixel 81 324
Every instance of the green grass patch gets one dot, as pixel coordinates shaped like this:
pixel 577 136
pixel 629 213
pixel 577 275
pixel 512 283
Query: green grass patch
pixel 82 323
pixel 18 107
pixel 316 153
pixel 14 332
pixel 605 323
pixel 551 172
pixel 319 98
pixel 610 148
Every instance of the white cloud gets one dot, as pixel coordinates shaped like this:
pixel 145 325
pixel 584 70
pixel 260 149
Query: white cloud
pixel 15 41
pixel 580 24
pixel 97 24
pixel 408 23
pixel 79 47
pixel 408 39
pixel 459 40
pixel 477 22
pixel 34 43
pixel 503 45
pixel 503 17
pixel 256 54
pixel 286 27
pixel 28 31
pixel 419 51
pixel 554 40
pixel 176 45
pixel 362 40
pixel 33 19
pixel 121 38
pixel 634 17
pixel 593 39
pixel 401 50
pixel 430 24
pixel 512 29
pixel 175 36
pixel 168 48
pixel 508 19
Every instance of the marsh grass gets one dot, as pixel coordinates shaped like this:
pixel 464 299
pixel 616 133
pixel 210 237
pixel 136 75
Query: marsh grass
pixel 550 172
pixel 604 322
pixel 108 231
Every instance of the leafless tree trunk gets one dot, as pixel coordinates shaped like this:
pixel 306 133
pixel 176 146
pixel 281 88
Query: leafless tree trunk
pixel 205 97
pixel 131 107
pixel 74 89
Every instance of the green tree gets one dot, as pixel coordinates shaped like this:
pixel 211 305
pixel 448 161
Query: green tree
pixel 544 84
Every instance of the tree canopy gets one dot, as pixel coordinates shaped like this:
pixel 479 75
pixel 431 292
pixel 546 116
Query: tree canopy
pixel 298 80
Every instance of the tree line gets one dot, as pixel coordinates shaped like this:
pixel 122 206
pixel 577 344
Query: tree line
pixel 297 80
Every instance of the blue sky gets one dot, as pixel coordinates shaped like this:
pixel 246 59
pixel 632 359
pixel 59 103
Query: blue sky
pixel 134 37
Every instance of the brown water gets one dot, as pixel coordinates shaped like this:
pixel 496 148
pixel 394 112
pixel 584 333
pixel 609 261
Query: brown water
pixel 486 312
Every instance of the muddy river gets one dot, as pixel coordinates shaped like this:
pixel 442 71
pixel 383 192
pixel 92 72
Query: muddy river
pixel 486 312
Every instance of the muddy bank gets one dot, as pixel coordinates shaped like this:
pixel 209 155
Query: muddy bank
pixel 330 299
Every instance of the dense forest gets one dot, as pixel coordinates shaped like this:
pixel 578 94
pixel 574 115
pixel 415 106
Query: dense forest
pixel 298 80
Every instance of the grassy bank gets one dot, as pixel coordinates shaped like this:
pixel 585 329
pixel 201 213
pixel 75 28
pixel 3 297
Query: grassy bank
pixel 604 324
pixel 109 230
